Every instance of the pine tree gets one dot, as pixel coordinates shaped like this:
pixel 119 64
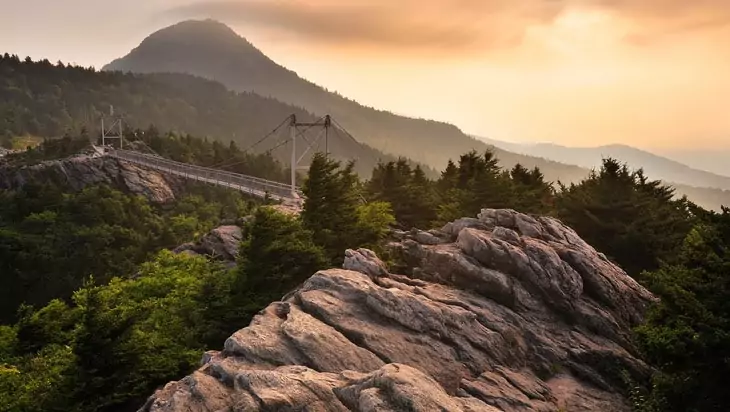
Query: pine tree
pixel 330 210
pixel 409 192
pixel 277 254
pixel 531 194
pixel 687 333
pixel 632 220
pixel 476 183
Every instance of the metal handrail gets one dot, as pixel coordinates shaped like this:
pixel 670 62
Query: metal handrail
pixel 250 184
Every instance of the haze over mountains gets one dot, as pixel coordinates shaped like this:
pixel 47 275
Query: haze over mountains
pixel 590 157
pixel 212 50
pixel 711 160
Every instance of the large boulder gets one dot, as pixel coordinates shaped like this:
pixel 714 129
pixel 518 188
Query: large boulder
pixel 506 312
pixel 220 244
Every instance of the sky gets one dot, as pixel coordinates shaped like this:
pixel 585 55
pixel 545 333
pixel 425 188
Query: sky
pixel 649 73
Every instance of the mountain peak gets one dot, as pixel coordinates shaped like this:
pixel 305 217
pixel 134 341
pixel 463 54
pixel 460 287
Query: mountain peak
pixel 207 29
pixel 182 46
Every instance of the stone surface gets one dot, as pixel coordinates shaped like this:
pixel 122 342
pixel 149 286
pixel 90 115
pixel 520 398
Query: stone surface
pixel 81 171
pixel 365 261
pixel 220 244
pixel 514 313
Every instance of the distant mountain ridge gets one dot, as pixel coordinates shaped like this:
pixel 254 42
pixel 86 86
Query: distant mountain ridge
pixel 655 166
pixel 711 160
pixel 212 50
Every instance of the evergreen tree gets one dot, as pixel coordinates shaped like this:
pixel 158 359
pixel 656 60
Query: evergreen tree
pixel 277 254
pixel 330 210
pixel 476 183
pixel 531 194
pixel 409 192
pixel 632 220
pixel 687 333
pixel 95 348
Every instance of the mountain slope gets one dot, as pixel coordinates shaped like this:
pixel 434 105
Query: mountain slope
pixel 711 160
pixel 655 166
pixel 40 99
pixel 212 50
pixel 71 99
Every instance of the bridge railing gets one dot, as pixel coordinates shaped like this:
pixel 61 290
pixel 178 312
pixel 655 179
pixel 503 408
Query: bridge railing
pixel 253 185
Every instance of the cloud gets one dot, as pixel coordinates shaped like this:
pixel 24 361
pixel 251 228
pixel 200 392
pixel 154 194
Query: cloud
pixel 452 25
pixel 655 20
pixel 412 24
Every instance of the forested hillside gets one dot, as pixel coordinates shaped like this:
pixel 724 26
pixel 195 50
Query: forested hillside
pixel 47 100
pixel 97 314
pixel 212 50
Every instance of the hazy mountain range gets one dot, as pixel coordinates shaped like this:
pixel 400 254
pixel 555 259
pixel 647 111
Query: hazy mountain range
pixel 711 160
pixel 212 50
pixel 655 166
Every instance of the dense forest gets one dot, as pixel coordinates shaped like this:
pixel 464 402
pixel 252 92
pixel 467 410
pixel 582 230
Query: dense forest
pixel 43 99
pixel 95 304
pixel 53 100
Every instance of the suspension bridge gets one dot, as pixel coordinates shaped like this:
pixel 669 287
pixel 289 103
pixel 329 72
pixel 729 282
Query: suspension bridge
pixel 289 194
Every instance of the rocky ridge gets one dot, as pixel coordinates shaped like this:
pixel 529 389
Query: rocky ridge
pixel 505 312
pixel 81 171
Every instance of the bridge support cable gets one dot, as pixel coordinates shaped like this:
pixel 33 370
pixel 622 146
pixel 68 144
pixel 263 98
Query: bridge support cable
pixel 365 148
pixel 310 146
pixel 278 144
pixel 246 150
pixel 298 129
pixel 115 131
pixel 248 184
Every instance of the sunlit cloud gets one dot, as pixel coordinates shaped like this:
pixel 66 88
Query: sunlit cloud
pixel 404 25
pixel 459 25
pixel 651 73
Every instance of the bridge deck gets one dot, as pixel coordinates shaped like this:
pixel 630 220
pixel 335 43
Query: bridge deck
pixel 248 184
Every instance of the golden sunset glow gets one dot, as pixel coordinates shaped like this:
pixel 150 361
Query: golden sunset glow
pixel 650 73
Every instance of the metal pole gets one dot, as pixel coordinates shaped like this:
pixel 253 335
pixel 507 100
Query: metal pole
pixel 327 122
pixel 103 133
pixel 293 133
pixel 121 135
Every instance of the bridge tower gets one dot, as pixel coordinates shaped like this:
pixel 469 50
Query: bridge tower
pixel 114 132
pixel 297 129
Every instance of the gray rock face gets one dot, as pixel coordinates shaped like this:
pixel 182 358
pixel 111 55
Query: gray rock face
pixel 515 313
pixel 81 171
pixel 221 244
pixel 364 261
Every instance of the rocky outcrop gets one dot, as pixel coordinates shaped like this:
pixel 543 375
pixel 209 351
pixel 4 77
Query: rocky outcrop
pixel 84 170
pixel 506 312
pixel 220 244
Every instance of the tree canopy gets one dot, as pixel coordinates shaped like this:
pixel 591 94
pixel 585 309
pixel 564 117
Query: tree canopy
pixel 97 313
